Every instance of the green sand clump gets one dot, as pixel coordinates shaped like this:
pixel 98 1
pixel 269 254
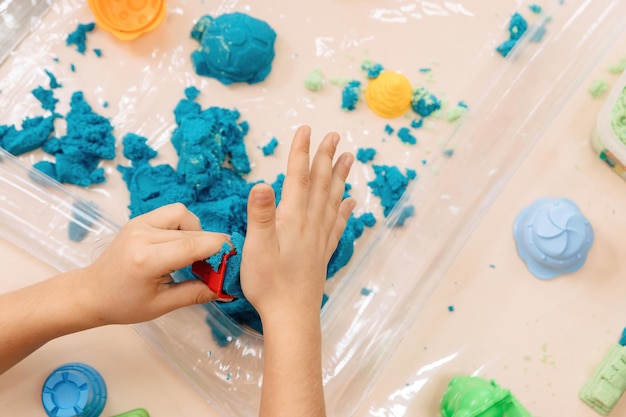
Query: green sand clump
pixel 618 117
pixel 598 88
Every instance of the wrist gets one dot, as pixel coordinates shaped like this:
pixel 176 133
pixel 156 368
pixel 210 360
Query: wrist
pixel 290 313
pixel 82 301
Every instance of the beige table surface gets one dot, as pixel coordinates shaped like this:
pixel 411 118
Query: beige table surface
pixel 542 341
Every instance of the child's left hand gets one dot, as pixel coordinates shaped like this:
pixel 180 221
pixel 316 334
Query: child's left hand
pixel 130 281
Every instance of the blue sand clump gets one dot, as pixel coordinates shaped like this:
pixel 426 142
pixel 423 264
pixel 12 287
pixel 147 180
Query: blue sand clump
pixel 88 140
pixel 404 133
pixel 372 70
pixel 417 123
pixel 388 129
pixel 346 191
pixel 505 47
pixel 152 187
pixel 210 181
pixel 34 132
pixel 366 291
pixel 270 148
pixel 216 259
pixel 46 98
pixel 136 149
pixel 232 285
pixel 53 80
pixel 517 28
pixel 234 47
pixel 365 154
pixel 424 103
pixel 204 139
pixel 345 248
pixel 47 168
pixel 83 215
pixel 350 95
pixel 389 185
pixel 79 36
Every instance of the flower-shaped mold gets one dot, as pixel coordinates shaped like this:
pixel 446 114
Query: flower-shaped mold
pixel 128 19
pixel 553 237
pixel 389 94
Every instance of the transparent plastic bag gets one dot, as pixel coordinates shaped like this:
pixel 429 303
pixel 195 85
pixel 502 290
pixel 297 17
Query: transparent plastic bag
pixel 18 17
pixel 360 331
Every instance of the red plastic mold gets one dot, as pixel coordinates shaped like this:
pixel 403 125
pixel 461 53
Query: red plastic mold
pixel 214 280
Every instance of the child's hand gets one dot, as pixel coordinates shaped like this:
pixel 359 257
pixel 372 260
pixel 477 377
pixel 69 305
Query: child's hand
pixel 130 281
pixel 287 249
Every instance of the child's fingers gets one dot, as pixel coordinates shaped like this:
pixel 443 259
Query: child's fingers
pixel 340 172
pixel 162 236
pixel 345 210
pixel 183 294
pixel 296 185
pixel 179 253
pixel 321 177
pixel 261 214
pixel 172 216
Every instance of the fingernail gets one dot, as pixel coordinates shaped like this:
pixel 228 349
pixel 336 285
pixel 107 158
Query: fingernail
pixel 335 139
pixel 306 130
pixel 261 196
pixel 349 160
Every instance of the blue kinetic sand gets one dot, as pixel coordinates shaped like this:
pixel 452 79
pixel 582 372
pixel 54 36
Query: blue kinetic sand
pixel 74 390
pixel 79 36
pixel 350 95
pixel 517 28
pixel 270 147
pixel 553 237
pixel 34 132
pixel 233 48
pixel 404 133
pixel 88 140
pixel 365 154
pixel 389 185
pixel 424 102
pixel 205 140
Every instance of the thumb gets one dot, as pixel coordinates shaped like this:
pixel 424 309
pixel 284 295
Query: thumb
pixel 261 213
pixel 186 293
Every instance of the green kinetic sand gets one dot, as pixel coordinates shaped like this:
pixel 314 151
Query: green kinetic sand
pixel 618 117
pixel 315 80
pixel 598 88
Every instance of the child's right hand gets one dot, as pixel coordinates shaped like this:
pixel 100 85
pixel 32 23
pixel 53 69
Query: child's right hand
pixel 287 249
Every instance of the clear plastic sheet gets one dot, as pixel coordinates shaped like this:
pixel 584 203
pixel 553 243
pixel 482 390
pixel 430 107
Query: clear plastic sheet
pixel 17 17
pixel 51 208
pixel 512 102
pixel 604 139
